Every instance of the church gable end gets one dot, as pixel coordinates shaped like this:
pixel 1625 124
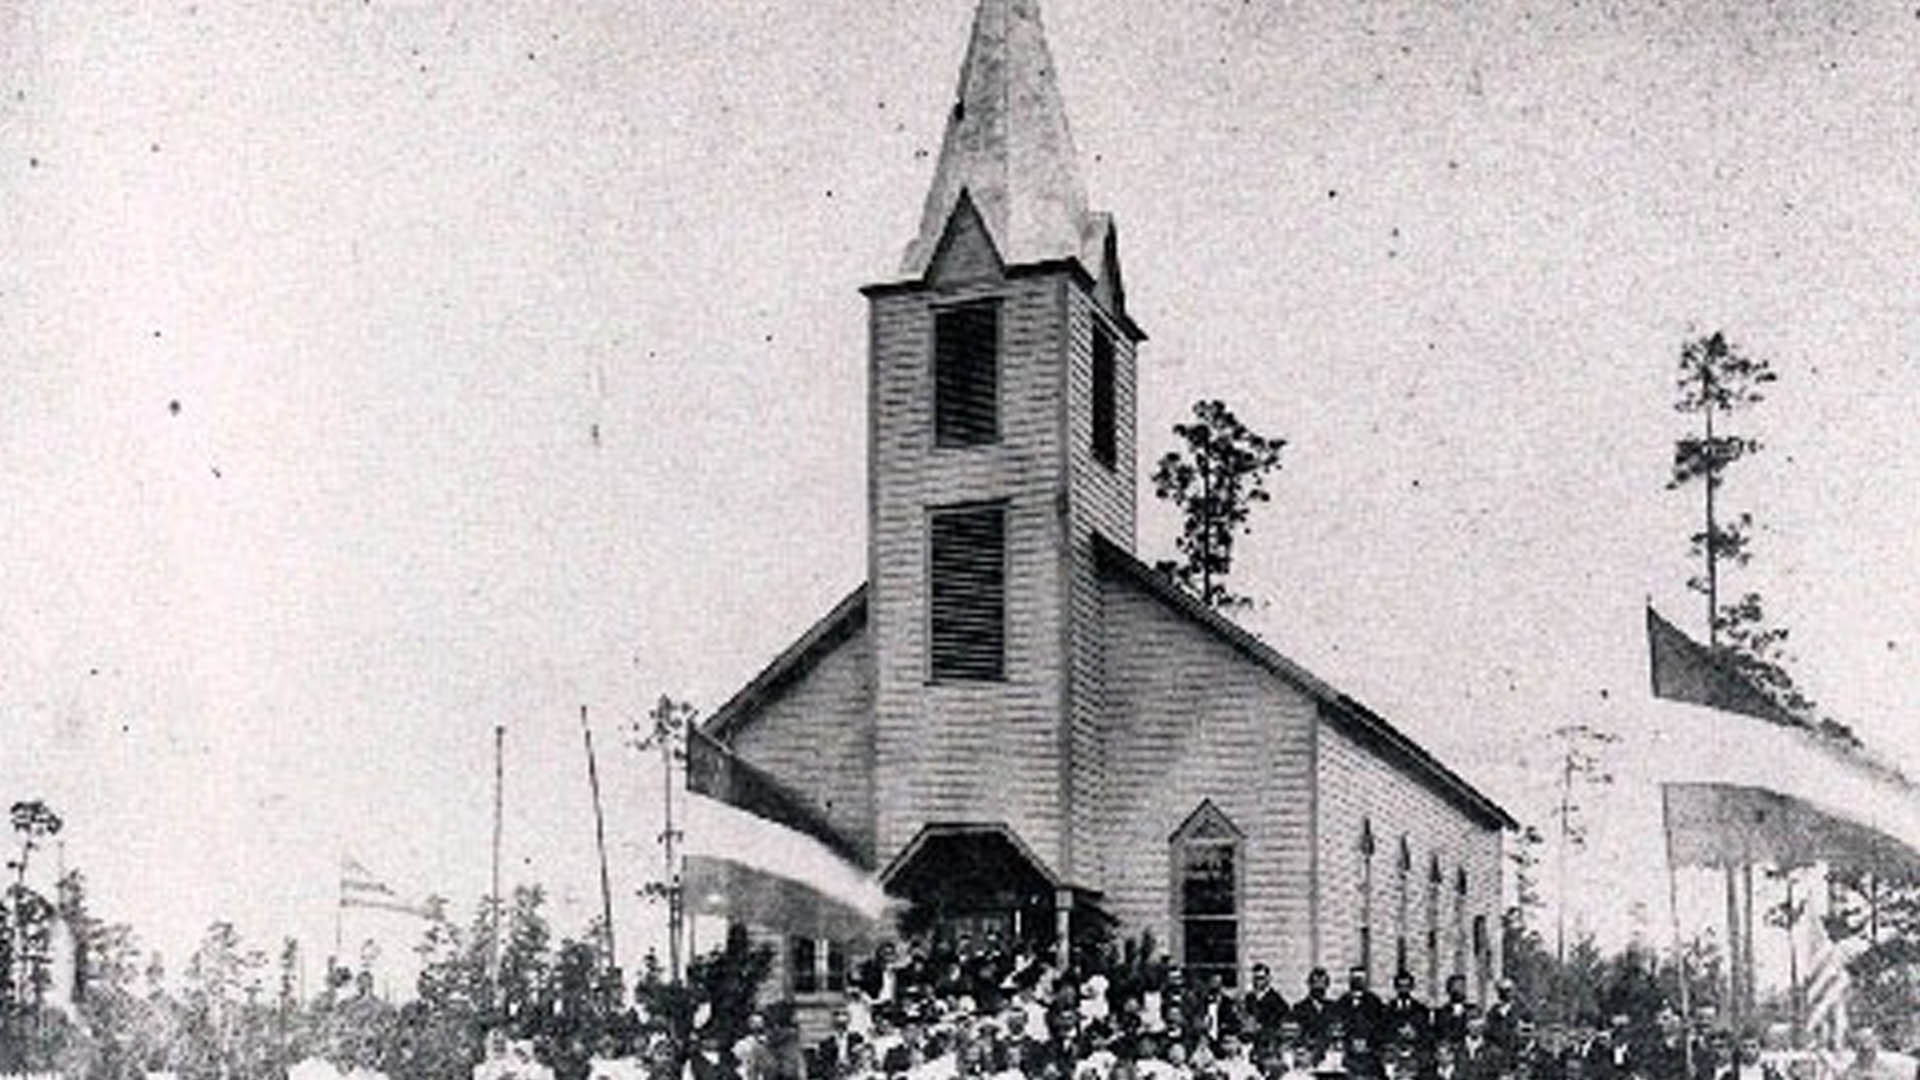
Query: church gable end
pixel 807 720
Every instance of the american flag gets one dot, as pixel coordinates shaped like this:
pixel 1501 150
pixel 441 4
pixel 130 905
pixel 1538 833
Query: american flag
pixel 1827 980
pixel 362 888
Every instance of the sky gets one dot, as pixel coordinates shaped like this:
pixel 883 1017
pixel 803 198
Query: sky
pixel 376 373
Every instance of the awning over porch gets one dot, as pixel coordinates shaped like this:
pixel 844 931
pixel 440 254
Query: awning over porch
pixel 965 860
pixel 974 877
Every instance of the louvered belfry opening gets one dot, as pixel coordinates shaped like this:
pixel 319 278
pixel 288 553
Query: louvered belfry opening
pixel 1105 443
pixel 969 593
pixel 966 375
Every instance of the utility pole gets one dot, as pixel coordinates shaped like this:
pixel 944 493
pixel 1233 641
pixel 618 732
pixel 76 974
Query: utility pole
pixel 1560 869
pixel 1579 761
pixel 668 837
pixel 671 722
pixel 599 837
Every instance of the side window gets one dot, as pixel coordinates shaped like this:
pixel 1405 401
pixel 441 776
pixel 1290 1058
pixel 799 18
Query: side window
pixel 1206 889
pixel 801 969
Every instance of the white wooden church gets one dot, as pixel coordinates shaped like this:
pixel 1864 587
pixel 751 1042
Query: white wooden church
pixel 1019 724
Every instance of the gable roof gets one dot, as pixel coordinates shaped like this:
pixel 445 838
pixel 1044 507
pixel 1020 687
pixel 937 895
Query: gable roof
pixel 846 619
pixel 1365 725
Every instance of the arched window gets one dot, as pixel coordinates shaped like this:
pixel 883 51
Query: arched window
pixel 1207 867
pixel 1434 880
pixel 1403 872
pixel 1366 894
pixel 1482 956
pixel 1460 921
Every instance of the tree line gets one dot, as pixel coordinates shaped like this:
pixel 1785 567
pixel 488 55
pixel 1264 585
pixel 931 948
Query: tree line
pixel 111 1009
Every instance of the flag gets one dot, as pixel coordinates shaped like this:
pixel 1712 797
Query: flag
pixel 1723 824
pixel 1737 793
pixel 361 888
pixel 1683 670
pixel 757 855
pixel 1828 981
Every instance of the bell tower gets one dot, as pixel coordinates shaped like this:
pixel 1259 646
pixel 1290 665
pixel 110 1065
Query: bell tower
pixel 1001 438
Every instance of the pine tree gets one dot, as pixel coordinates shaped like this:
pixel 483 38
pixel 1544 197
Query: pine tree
pixel 1215 480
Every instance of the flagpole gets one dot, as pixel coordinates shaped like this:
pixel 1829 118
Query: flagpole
pixel 1734 937
pixel 599 836
pixel 1679 948
pixel 499 770
pixel 1794 1000
pixel 1751 1001
pixel 339 917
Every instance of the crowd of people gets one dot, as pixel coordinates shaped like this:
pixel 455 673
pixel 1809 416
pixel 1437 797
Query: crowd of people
pixel 995 1015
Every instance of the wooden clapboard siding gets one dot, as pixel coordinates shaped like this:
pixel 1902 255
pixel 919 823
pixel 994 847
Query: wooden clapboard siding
pixel 1189 717
pixel 1357 784
pixel 815 734
pixel 1101 501
pixel 961 750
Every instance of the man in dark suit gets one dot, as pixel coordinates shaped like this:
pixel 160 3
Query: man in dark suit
pixel 1360 1010
pixel 1020 1043
pixel 1408 1021
pixel 1362 1017
pixel 1477 1058
pixel 1264 1007
pixel 1450 1016
pixel 832 1053
pixel 1611 1056
pixel 710 1060
pixel 1664 1057
pixel 1214 1012
pixel 1503 1016
pixel 1314 1013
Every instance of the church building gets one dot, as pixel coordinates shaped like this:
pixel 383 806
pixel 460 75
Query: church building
pixel 1021 726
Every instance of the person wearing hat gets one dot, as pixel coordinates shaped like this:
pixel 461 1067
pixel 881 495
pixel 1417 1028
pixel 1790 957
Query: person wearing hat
pixel 710 1060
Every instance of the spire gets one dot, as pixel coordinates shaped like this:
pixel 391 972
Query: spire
pixel 1007 147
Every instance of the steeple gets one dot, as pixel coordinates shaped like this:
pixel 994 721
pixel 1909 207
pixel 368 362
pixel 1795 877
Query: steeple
pixel 1008 149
